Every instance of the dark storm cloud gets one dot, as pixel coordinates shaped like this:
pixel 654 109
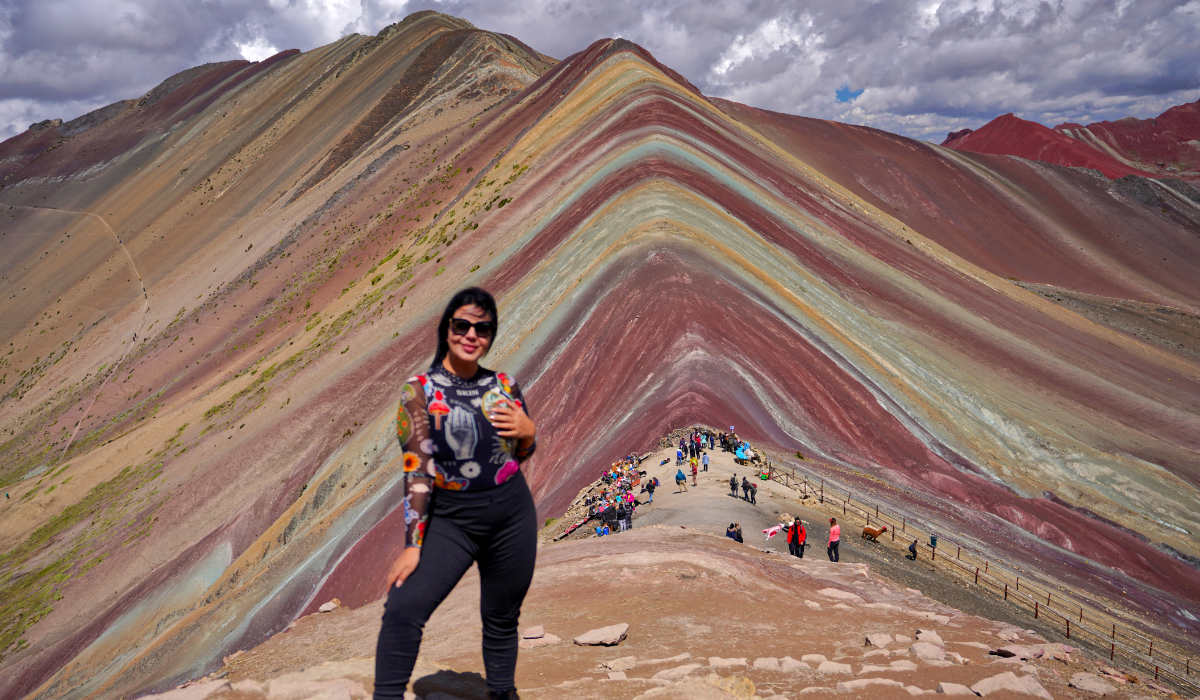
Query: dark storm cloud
pixel 924 67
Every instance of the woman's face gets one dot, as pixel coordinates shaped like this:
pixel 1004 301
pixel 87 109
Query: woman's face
pixel 470 344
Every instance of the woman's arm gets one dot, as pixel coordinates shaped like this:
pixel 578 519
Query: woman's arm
pixel 412 431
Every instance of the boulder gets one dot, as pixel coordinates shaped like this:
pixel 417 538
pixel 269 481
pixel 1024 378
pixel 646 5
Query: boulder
pixel 927 651
pixel 903 639
pixel 719 662
pixel 813 659
pixel 812 604
pixel 833 667
pixel 930 636
pixel 624 663
pixel 860 684
pixel 902 665
pixel 1091 683
pixel 330 605
pixel 617 676
pixel 878 639
pixel 789 665
pixel 945 688
pixel 876 653
pixel 1009 682
pixel 766 663
pixel 914 690
pixel 535 632
pixel 604 636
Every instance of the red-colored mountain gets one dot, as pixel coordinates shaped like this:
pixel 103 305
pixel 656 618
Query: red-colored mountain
pixel 1010 135
pixel 1164 146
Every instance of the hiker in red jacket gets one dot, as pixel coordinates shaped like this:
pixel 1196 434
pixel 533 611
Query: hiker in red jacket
pixel 796 536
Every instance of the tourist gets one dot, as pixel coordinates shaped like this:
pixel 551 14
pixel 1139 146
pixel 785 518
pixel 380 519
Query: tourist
pixel 704 461
pixel 912 551
pixel 835 536
pixel 745 489
pixel 731 531
pixel 733 483
pixel 694 469
pixel 753 492
pixel 470 504
pixel 680 481
pixel 793 537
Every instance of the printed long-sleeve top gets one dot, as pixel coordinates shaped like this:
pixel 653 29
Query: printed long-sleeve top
pixel 448 441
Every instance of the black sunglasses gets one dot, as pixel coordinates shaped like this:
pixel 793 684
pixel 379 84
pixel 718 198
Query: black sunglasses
pixel 483 329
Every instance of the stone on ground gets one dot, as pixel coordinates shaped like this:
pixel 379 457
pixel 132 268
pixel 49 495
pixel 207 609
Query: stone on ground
pixel 946 688
pixel 609 636
pixel 1009 682
pixel 1091 683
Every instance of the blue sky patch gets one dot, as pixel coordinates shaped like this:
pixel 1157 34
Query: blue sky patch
pixel 845 94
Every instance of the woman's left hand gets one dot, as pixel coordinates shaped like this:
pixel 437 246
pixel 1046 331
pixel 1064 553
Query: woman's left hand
pixel 511 421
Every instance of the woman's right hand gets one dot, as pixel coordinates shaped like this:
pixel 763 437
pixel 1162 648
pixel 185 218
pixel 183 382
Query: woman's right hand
pixel 404 565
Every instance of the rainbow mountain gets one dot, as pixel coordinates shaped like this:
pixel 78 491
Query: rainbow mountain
pixel 213 293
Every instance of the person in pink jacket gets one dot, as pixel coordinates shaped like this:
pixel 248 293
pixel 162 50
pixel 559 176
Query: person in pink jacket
pixel 835 536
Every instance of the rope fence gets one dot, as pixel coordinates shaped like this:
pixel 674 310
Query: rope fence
pixel 1075 620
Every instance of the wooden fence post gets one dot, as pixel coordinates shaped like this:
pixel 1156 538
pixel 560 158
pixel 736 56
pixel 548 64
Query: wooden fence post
pixel 959 554
pixel 1068 629
pixel 1006 591
pixel 977 576
pixel 1036 605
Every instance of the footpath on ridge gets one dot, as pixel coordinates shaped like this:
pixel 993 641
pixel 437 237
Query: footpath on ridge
pixel 678 610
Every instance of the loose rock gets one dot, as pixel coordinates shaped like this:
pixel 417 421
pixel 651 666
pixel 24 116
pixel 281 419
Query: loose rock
pixel 604 636
pixel 946 688
pixel 1010 682
pixel 1091 683
pixel 833 667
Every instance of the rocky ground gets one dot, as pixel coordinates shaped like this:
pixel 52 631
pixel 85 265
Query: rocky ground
pixel 673 609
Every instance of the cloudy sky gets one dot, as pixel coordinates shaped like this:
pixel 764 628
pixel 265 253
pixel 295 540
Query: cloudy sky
pixel 919 68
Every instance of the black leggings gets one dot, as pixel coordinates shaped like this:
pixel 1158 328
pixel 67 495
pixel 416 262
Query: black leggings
pixel 496 528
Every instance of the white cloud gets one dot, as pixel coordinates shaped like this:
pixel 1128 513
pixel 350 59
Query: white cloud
pixel 921 65
pixel 256 49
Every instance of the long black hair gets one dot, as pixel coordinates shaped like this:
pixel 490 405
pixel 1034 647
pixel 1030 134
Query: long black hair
pixel 464 297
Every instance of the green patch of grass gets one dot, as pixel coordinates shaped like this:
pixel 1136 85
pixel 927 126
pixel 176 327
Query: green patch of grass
pixel 27 594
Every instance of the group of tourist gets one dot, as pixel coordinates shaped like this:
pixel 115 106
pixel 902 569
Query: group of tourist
pixel 616 502
pixel 749 489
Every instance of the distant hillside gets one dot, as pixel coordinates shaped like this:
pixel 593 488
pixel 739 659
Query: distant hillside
pixel 1165 146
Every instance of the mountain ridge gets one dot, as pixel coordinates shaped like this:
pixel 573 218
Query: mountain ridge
pixel 665 258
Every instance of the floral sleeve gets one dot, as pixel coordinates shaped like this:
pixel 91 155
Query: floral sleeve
pixel 515 391
pixel 412 430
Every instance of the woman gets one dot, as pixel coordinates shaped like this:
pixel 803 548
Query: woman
pixel 465 432
pixel 835 538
